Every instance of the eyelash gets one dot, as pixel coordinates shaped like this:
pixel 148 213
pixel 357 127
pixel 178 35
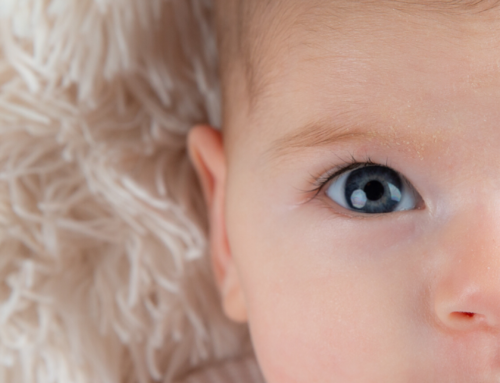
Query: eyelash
pixel 319 181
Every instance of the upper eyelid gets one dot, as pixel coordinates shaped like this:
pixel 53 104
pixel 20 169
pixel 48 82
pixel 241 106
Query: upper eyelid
pixel 319 181
pixel 336 172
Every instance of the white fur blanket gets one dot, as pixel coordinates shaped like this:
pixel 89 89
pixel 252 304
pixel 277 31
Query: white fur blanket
pixel 103 272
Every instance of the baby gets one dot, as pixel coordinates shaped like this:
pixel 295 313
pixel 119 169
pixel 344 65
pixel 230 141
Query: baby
pixel 353 191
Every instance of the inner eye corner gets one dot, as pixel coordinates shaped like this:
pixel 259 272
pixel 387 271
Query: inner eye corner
pixel 421 205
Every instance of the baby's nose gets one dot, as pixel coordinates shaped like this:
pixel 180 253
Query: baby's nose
pixel 466 293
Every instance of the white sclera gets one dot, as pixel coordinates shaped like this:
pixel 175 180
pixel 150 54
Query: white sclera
pixel 395 193
pixel 358 199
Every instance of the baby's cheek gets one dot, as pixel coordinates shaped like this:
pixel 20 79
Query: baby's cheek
pixel 312 334
pixel 291 348
pixel 329 325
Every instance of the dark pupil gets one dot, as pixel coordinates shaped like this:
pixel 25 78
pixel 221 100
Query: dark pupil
pixel 374 190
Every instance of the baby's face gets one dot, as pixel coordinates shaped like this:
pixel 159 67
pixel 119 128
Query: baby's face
pixel 362 198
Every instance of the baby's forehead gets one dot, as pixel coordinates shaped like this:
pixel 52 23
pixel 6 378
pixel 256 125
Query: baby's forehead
pixel 368 66
pixel 347 31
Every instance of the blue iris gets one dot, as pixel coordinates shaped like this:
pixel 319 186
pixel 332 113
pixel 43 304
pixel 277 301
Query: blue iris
pixel 373 190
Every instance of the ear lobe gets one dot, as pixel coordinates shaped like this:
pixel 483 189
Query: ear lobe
pixel 206 151
pixel 233 300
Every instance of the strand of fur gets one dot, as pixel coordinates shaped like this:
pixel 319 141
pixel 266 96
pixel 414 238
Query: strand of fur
pixel 103 272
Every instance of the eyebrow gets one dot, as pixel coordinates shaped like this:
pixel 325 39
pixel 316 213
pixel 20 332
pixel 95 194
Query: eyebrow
pixel 317 134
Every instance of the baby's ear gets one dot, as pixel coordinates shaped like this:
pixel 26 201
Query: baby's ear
pixel 206 151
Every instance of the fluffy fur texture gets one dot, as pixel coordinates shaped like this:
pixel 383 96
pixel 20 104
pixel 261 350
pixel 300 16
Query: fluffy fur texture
pixel 103 271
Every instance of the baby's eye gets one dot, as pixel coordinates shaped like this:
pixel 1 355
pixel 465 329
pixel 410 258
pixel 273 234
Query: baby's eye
pixel 373 189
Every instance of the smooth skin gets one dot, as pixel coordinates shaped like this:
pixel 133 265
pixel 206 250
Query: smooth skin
pixel 333 295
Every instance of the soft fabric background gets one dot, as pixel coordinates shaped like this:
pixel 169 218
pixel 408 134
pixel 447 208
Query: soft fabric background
pixel 103 271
